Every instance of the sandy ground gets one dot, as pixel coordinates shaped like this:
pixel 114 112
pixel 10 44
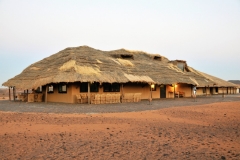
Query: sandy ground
pixel 209 131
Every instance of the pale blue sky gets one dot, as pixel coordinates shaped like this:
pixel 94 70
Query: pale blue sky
pixel 205 33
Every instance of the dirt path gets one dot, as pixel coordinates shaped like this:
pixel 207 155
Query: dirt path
pixel 209 131
pixel 42 107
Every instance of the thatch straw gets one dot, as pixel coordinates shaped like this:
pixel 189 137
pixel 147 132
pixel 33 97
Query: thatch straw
pixel 125 62
pixel 86 64
pixel 34 68
pixel 133 78
pixel 68 65
pixel 84 70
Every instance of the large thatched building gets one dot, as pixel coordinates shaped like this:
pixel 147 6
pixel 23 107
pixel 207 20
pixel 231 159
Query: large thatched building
pixel 237 82
pixel 83 74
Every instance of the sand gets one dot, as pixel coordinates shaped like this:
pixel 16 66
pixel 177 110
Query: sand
pixel 210 131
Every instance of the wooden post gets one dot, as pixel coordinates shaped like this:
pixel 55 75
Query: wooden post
pixel 151 93
pixel 46 93
pixel 88 92
pixel 191 90
pixel 222 92
pixel 27 95
pixel 14 93
pixel 9 94
pixel 209 91
pixel 206 90
pixel 122 92
pixel 174 91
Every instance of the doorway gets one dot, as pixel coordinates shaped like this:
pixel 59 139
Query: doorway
pixel 162 91
pixel 211 90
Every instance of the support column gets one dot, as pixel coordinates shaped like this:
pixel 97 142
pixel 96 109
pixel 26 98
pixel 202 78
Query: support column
pixel 191 90
pixel 209 91
pixel 206 90
pixel 222 92
pixel 14 94
pixel 9 94
pixel 27 95
pixel 174 91
pixel 46 93
pixel 88 92
pixel 122 92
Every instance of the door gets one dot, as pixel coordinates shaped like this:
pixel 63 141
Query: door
pixel 163 91
pixel 211 90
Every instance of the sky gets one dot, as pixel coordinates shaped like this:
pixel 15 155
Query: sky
pixel 205 33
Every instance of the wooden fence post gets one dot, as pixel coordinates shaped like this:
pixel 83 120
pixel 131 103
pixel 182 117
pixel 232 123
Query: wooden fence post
pixel 88 92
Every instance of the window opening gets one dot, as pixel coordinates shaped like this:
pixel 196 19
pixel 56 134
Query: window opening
pixel 50 89
pixel 94 87
pixel 62 88
pixel 204 90
pixel 126 56
pixel 39 90
pixel 181 66
pixel 157 58
pixel 108 87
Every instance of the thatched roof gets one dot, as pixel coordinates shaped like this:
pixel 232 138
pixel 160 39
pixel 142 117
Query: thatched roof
pixel 85 64
pixel 235 81
pixel 219 82
pixel 204 79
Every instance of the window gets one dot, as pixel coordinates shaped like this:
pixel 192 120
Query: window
pixel 93 87
pixel 108 87
pixel 50 89
pixel 157 58
pixel 39 89
pixel 204 90
pixel 84 87
pixel 115 87
pixel 126 56
pixel 216 89
pixel 181 66
pixel 62 88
